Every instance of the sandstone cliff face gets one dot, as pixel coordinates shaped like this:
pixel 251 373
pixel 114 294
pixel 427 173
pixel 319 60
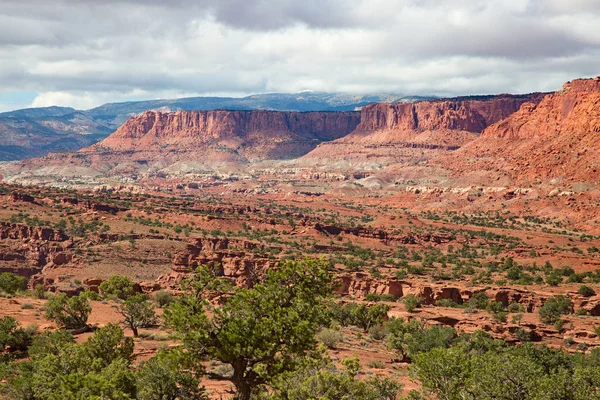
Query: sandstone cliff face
pixel 574 108
pixel 461 115
pixel 412 132
pixel 237 130
pixel 555 140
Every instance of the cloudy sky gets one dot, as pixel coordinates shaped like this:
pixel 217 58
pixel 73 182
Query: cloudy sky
pixel 83 53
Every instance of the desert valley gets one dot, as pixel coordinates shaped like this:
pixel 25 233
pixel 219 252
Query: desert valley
pixel 299 200
pixel 453 226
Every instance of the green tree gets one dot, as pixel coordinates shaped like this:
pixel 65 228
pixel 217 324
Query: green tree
pixel 10 283
pixel 362 315
pixel 118 286
pixel 443 372
pixel 479 300
pixel 169 376
pixel 260 332
pixel 97 369
pixel 138 312
pixel 14 338
pixel 412 337
pixel 554 307
pixel 69 313
pixel 366 316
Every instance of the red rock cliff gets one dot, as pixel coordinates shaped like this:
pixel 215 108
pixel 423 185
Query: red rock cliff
pixel 557 138
pixel 151 129
pixel 574 108
pixel 465 115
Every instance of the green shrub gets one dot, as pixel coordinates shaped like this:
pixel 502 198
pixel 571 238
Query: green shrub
pixel 501 316
pixel 553 308
pixel 447 303
pixel 515 307
pixel 163 298
pixel 479 300
pixel 117 286
pixel 378 332
pixel 376 364
pixel 516 319
pixel 586 291
pixel 380 297
pixel 495 307
pixel 411 302
pixel 554 279
pixel 412 337
pixel 523 335
pixel 39 291
pixel 361 315
pixel 11 283
pixel 330 337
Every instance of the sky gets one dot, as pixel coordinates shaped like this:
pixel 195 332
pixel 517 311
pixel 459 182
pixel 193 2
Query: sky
pixel 83 53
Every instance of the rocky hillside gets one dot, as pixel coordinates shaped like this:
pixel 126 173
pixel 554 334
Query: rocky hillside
pixel 555 141
pixel 36 132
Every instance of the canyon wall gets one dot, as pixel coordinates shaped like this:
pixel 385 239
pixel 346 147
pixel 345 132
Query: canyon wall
pixel 153 128
pixel 462 115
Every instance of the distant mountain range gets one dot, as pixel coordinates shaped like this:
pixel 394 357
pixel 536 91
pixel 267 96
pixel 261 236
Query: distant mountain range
pixel 34 132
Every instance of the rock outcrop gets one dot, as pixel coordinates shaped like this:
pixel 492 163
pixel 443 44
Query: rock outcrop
pixel 21 232
pixel 555 139
pixel 235 259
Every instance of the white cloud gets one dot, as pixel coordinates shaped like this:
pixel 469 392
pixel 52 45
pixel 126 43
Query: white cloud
pixel 82 52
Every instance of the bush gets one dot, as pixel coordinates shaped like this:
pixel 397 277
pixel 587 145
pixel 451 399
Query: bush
pixel 501 316
pixel 479 300
pixel 494 307
pixel 39 291
pixel 586 291
pixel 13 337
pixel 330 337
pixel 117 286
pixel 447 303
pixel 378 332
pixel 411 302
pixel 163 298
pixel 413 337
pixel 164 377
pixel 516 319
pixel 523 335
pixel 553 308
pixel 554 279
pixel 380 297
pixel 11 283
pixel 515 307
pixel 376 364
pixel 361 315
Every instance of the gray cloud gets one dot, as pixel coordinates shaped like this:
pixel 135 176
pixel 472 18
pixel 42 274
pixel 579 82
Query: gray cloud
pixel 84 52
